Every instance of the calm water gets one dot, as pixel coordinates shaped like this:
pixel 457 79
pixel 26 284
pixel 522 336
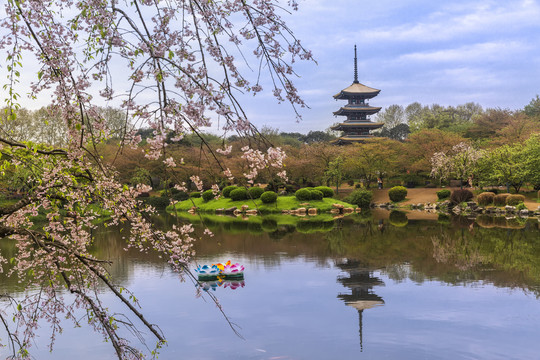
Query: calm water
pixel 387 286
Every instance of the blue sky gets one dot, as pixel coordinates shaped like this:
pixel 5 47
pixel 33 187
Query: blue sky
pixel 449 53
pixel 445 52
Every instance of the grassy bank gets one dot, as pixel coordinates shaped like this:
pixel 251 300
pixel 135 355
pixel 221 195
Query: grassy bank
pixel 282 203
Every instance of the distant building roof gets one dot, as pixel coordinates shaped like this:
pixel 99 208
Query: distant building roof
pixel 357 89
pixel 361 109
pixel 357 124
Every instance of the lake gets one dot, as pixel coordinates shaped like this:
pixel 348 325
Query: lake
pixel 378 286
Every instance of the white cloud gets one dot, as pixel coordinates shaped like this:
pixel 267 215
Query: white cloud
pixel 487 51
pixel 455 22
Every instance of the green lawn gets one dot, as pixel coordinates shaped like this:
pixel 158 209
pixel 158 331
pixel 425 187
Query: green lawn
pixel 282 203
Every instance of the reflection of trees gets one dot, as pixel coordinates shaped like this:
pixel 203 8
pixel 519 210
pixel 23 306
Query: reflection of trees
pixel 458 250
pixel 361 282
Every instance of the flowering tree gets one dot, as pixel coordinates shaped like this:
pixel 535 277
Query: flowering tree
pixel 459 162
pixel 170 65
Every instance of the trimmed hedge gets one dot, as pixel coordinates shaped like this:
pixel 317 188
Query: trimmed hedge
pixel 485 198
pixel 397 193
pixel 208 195
pixel 513 200
pixel 238 194
pixel 327 192
pixel 360 198
pixel 227 190
pixel 255 192
pixel 443 194
pixel 461 195
pixel 195 194
pixel 316 195
pixel 303 194
pixel 500 199
pixel 268 197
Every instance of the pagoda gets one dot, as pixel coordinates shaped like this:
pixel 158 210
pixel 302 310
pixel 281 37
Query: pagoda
pixel 357 127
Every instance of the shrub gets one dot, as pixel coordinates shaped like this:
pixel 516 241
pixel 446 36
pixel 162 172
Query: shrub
pixel 238 194
pixel 195 194
pixel 500 199
pixel 513 200
pixel 360 198
pixel 521 206
pixel 157 202
pixel 268 197
pixel 350 182
pixel 443 194
pixel 227 190
pixel 316 195
pixel 327 192
pixel 255 192
pixel 208 195
pixel 397 193
pixel 461 195
pixel 303 194
pixel 357 186
pixel 485 198
pixel 180 196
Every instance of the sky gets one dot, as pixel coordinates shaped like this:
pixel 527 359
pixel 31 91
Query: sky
pixel 444 52
pixel 426 51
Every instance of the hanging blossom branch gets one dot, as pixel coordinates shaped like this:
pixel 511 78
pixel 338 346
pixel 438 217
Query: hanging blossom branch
pixel 173 66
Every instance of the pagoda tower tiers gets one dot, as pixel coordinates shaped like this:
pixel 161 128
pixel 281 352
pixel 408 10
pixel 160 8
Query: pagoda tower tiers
pixel 357 126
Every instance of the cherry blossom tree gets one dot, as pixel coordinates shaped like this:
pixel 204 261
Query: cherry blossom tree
pixel 171 65
pixel 459 162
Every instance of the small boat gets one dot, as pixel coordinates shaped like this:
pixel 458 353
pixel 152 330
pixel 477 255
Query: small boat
pixel 206 272
pixel 231 271
pixel 227 271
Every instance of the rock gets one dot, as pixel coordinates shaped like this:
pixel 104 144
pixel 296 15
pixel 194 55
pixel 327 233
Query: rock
pixel 301 211
pixel 230 210
pixel 348 210
pixel 524 212
pixel 304 204
pixel 282 193
pixel 358 210
pixel 337 206
pixel 220 211
pixel 252 212
pixel 334 211
pixel 244 207
pixel 286 212
pixel 237 212
pixel 510 209
pixel 312 211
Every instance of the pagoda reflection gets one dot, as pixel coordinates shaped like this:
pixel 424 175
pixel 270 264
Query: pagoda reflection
pixel 361 282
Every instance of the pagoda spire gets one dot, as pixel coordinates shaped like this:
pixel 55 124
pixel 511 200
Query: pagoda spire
pixel 355 67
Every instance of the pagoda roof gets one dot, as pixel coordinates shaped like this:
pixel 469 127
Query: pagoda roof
pixel 357 124
pixel 357 89
pixel 357 108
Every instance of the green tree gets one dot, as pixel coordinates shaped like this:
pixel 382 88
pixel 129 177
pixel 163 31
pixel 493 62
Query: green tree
pixel 335 172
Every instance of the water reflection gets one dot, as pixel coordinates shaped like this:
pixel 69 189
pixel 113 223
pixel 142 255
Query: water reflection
pixel 220 283
pixel 301 272
pixel 361 282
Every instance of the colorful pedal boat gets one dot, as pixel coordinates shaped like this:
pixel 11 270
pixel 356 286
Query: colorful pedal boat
pixel 206 272
pixel 228 271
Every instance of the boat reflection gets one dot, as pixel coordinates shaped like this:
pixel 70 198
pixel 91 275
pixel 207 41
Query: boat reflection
pixel 213 285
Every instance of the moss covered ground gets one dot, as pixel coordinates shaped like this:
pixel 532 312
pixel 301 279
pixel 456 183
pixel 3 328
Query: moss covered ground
pixel 282 203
